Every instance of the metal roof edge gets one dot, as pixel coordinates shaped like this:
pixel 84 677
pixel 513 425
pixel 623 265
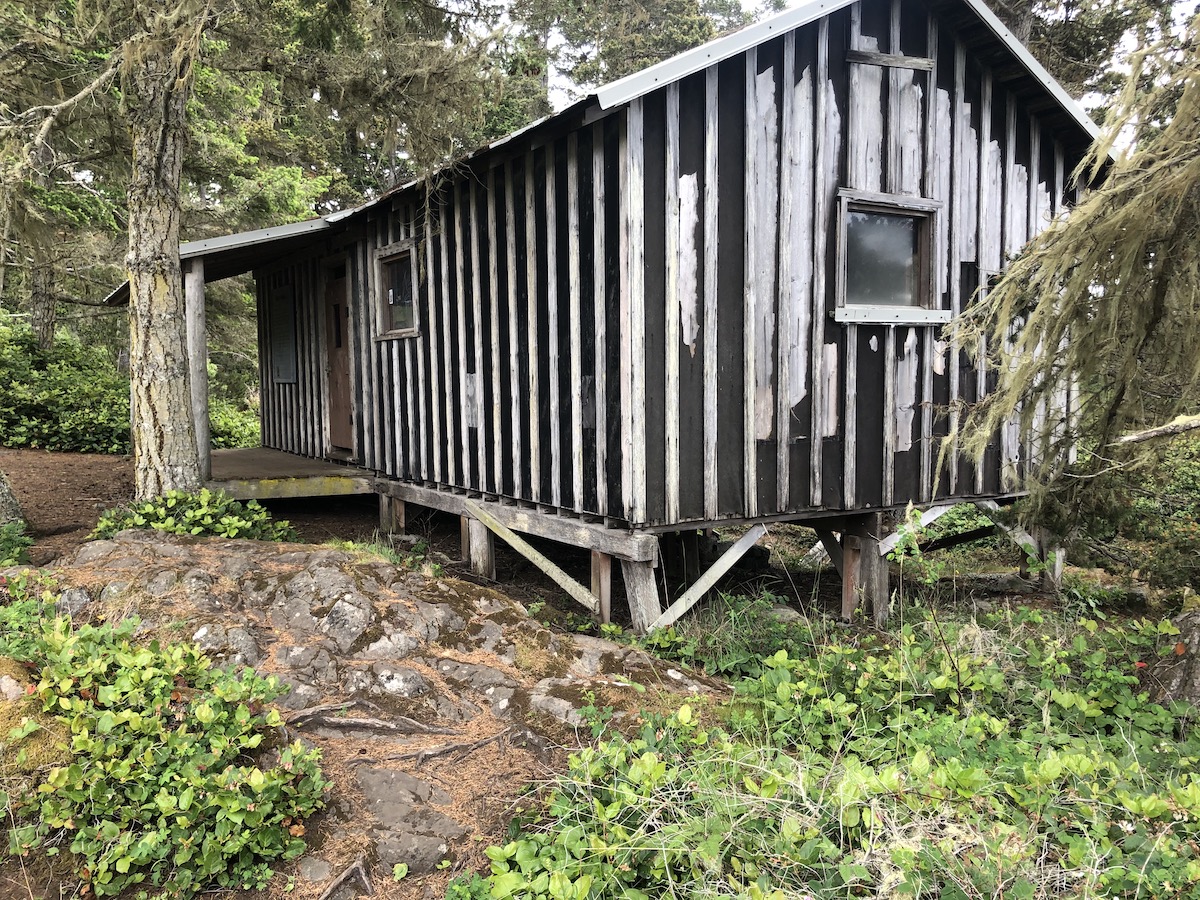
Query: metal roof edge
pixel 193 249
pixel 690 61
pixel 1036 69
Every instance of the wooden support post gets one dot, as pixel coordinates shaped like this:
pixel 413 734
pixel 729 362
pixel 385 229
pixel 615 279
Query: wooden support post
pixel 874 565
pixel 602 583
pixel 641 587
pixel 711 577
pixel 197 348
pixel 691 557
pixel 1039 547
pixel 851 572
pixel 482 549
pixel 464 538
pixel 864 569
pixel 391 515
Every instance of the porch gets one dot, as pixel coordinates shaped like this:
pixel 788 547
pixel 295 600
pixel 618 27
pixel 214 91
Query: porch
pixel 259 473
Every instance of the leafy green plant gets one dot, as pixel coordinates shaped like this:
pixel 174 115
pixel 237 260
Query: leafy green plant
pixel 468 887
pixel 729 636
pixel 204 512
pixel 25 599
pixel 13 543
pixel 168 788
pixel 69 397
pixel 1015 755
pixel 232 425
pixel 73 397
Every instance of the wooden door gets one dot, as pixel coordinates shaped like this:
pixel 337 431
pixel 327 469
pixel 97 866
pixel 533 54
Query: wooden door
pixel 337 342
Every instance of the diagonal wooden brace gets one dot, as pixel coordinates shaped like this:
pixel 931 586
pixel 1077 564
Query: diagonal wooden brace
pixel 561 578
pixel 727 561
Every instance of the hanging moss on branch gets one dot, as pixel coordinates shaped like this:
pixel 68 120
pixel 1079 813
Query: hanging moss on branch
pixel 1106 300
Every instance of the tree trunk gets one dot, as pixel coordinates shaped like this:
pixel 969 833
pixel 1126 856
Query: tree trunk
pixel 10 509
pixel 157 84
pixel 43 311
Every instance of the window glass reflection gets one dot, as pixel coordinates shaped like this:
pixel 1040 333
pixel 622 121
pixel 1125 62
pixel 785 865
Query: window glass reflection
pixel 881 258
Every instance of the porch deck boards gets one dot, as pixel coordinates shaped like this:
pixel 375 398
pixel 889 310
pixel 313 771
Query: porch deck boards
pixel 260 473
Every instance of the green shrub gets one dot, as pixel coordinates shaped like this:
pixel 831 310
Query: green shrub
pixel 69 397
pixel 729 636
pixel 72 397
pixel 13 543
pixel 232 425
pixel 1014 757
pixel 167 787
pixel 25 599
pixel 205 512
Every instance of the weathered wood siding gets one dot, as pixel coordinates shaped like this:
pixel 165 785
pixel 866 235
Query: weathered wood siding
pixel 628 316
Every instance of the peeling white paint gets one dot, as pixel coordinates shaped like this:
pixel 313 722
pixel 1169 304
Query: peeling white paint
pixel 939 357
pixel 874 343
pixel 689 262
pixel 829 369
pixel 762 245
pixel 907 369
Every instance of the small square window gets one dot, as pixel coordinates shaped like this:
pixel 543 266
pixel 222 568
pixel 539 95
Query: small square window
pixel 883 258
pixel 397 291
pixel 885 263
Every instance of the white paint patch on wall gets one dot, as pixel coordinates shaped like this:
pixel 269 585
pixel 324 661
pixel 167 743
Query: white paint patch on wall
pixel 689 261
pixel 907 369
pixel 874 343
pixel 829 370
pixel 939 357
pixel 766 188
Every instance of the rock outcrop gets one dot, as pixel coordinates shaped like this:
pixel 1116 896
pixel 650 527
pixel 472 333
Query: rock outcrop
pixel 434 700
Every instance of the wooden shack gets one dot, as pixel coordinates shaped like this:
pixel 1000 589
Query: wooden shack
pixel 710 293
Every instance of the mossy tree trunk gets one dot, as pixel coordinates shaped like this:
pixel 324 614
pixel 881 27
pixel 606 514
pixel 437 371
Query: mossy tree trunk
pixel 157 81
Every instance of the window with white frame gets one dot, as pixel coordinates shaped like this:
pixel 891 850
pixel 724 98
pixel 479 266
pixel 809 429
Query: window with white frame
pixel 397 295
pixel 886 259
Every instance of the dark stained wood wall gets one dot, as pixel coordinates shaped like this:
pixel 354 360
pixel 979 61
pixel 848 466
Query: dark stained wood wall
pixel 630 318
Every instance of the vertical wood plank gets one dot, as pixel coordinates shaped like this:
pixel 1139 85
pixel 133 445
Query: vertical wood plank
pixel 987 228
pixel 552 348
pixel 889 415
pixel 575 323
pixel 791 141
pixel 634 189
pixel 600 304
pixel 370 364
pixel 461 302
pixel 673 303
pixel 750 450
pixel 959 227
pixel 422 365
pixel 450 408
pixel 514 339
pixel 626 313
pixel 711 237
pixel 937 138
pixel 480 412
pixel 821 194
pixel 531 258
pixel 496 482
